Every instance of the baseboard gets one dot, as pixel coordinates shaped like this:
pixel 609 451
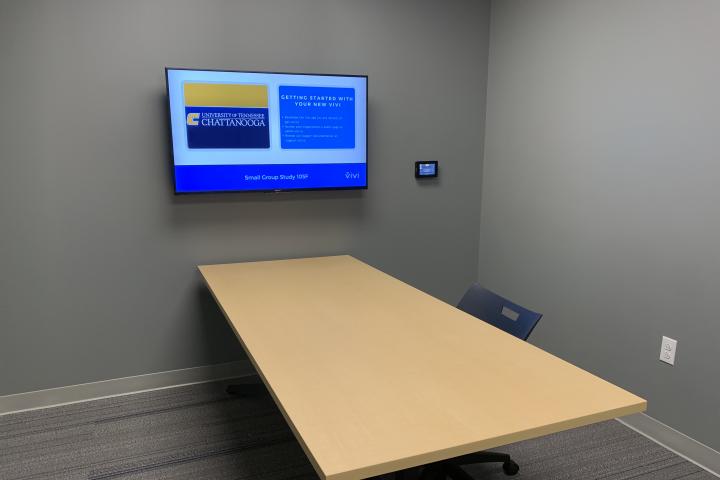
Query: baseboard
pixel 53 397
pixel 677 442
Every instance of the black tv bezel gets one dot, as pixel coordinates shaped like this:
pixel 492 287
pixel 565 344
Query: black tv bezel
pixel 275 190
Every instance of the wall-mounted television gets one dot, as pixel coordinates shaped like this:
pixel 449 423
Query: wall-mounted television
pixel 238 131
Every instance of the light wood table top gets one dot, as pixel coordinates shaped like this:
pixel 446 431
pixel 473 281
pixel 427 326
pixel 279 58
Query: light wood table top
pixel 375 376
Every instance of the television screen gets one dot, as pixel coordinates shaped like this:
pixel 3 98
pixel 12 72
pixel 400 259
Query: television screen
pixel 253 131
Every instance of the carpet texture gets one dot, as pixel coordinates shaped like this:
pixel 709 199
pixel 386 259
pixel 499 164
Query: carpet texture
pixel 198 432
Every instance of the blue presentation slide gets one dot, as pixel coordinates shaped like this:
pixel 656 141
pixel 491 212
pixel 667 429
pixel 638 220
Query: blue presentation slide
pixel 243 131
pixel 317 117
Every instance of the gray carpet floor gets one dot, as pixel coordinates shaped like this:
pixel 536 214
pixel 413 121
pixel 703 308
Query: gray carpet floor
pixel 198 432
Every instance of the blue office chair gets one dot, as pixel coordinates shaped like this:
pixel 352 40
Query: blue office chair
pixel 515 320
pixel 499 312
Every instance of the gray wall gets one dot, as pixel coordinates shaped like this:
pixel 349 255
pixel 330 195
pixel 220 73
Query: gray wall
pixel 601 204
pixel 98 257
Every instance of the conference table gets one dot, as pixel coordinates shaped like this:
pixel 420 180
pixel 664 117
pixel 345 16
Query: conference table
pixel 374 376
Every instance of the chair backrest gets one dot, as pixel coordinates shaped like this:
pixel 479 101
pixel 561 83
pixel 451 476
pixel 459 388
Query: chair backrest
pixel 498 311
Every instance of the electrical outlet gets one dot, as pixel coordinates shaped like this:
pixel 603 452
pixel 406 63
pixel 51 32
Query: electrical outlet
pixel 667 350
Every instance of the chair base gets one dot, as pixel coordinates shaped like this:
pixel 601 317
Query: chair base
pixel 452 468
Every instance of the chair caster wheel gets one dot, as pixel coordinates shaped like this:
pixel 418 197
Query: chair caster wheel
pixel 511 468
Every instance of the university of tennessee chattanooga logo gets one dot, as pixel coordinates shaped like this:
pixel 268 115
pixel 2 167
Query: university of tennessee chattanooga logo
pixel 226 115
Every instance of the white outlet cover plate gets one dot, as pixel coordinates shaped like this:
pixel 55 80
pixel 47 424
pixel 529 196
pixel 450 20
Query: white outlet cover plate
pixel 667 350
